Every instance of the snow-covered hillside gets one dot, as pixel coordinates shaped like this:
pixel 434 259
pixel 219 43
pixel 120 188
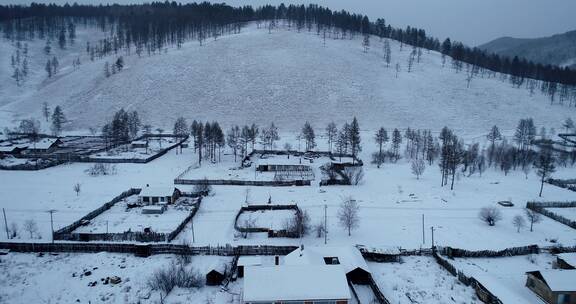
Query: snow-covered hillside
pixel 285 77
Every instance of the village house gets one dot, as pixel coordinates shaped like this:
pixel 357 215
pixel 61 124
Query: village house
pixel 139 144
pixel 553 286
pixel 158 195
pixel 12 149
pixel 312 284
pixel 348 257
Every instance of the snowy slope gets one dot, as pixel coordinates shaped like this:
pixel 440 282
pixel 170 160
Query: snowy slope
pixel 285 77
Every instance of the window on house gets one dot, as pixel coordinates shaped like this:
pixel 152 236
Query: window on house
pixel 162 199
pixel 154 199
pixel 146 199
pixel 331 261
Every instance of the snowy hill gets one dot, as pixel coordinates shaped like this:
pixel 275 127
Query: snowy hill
pixel 285 77
pixel 556 50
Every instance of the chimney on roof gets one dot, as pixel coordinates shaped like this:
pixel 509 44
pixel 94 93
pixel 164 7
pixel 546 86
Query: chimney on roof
pixel 301 249
pixel 276 260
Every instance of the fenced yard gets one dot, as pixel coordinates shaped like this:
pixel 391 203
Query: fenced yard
pixel 556 211
pixel 114 221
pixel 275 220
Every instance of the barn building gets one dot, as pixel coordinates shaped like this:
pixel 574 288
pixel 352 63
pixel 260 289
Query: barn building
pixel 295 284
pixel 553 286
pixel 348 257
pixel 157 195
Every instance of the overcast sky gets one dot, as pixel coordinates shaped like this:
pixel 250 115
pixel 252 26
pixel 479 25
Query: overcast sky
pixel 471 21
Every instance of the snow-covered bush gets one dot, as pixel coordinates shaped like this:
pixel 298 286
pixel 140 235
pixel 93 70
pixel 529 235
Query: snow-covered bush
pixel 176 275
pixel 101 169
pixel 355 175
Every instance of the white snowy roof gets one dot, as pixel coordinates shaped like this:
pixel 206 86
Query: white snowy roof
pixel 569 258
pixel 44 143
pixel 255 260
pixel 157 191
pixel 295 283
pixel 153 208
pixel 560 280
pixel 348 256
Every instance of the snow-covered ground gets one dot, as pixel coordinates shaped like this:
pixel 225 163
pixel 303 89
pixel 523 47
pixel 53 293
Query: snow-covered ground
pixel 271 219
pixel 420 280
pixel 506 277
pixel 285 77
pixel 155 145
pixel 392 202
pixel 27 278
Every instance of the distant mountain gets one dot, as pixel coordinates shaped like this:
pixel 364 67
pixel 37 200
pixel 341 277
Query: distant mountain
pixel 556 50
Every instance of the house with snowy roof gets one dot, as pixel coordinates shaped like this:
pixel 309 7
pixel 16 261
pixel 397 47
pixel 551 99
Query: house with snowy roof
pixel 158 195
pixel 349 257
pixel 553 286
pixel 295 284
pixel 45 145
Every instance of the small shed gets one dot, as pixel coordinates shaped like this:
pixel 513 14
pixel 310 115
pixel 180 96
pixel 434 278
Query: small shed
pixel 566 260
pixel 46 145
pixel 153 209
pixel 216 275
pixel 553 286
pixel 156 195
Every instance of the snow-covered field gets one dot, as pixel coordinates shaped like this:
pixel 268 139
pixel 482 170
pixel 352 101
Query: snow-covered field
pixel 506 277
pixel 27 278
pixel 285 77
pixel 420 280
pixel 392 202
pixel 128 152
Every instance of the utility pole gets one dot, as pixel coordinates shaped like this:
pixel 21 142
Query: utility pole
pixel 6 224
pixel 51 211
pixel 432 228
pixel 423 234
pixel 192 224
pixel 325 224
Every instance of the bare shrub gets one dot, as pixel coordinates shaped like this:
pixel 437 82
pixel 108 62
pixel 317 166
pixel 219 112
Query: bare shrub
pixel 354 175
pixel 77 188
pixel 299 224
pixel 490 215
pixel 101 169
pixel 328 172
pixel 13 231
pixel 184 257
pixel 176 275
pixel 31 227
pixel 319 229
pixel 203 188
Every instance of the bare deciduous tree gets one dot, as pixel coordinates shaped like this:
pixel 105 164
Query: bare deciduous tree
pixel 418 166
pixel 354 175
pixel 77 188
pixel 31 227
pixel 518 222
pixel 490 215
pixel 533 218
pixel 348 214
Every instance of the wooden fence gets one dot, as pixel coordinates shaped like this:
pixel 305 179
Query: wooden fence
pixel 271 233
pixel 150 248
pixel 514 251
pixel 569 184
pixel 231 182
pixel 481 292
pixel 540 207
